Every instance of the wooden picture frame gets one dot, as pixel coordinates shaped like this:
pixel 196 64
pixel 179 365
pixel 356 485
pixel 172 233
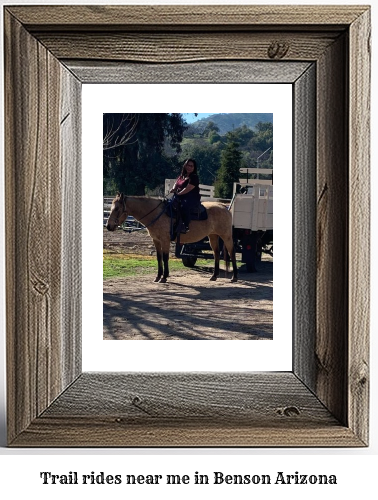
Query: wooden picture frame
pixel 49 52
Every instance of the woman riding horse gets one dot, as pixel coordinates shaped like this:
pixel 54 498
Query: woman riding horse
pixel 151 212
pixel 187 193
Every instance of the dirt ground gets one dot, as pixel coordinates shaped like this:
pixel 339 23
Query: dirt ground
pixel 188 306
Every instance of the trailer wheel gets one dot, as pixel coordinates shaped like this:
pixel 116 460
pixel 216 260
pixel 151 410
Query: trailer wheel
pixel 250 264
pixel 189 261
pixel 251 252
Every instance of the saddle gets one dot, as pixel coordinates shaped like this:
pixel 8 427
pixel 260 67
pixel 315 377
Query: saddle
pixel 172 209
pixel 197 213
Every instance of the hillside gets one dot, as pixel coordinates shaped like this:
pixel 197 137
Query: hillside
pixel 229 121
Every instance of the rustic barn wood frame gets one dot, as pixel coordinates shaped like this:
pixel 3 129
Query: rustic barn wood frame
pixel 324 52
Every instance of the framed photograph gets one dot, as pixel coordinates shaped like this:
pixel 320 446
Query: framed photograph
pixel 323 52
pixel 199 301
pixel 120 266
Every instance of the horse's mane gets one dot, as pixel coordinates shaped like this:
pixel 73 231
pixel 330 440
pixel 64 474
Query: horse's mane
pixel 157 198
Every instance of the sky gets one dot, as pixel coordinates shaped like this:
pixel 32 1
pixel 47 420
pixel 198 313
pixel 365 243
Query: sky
pixel 190 117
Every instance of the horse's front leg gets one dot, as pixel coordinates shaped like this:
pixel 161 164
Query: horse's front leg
pixel 159 257
pixel 165 250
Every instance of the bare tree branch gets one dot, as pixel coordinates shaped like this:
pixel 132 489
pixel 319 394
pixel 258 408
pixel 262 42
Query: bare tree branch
pixel 115 136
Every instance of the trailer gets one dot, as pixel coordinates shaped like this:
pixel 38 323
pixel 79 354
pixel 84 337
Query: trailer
pixel 252 221
pixel 251 207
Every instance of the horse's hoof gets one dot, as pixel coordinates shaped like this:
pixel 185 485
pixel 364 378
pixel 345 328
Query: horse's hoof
pixel 163 280
pixel 157 279
pixel 213 278
pixel 234 280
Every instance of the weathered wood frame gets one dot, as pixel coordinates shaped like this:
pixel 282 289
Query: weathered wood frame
pixel 49 53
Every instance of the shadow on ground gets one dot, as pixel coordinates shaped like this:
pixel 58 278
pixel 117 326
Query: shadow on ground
pixel 190 307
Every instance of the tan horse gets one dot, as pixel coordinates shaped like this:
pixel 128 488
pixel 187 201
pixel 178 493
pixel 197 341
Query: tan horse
pixel 150 212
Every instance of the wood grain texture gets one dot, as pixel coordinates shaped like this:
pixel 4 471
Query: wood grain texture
pixel 332 229
pixel 35 246
pixel 186 410
pixel 110 432
pixel 222 396
pixel 173 16
pixel 182 47
pixel 199 72
pixel 304 228
pixel 70 162
pixel 359 226
pixel 324 402
pixel 33 199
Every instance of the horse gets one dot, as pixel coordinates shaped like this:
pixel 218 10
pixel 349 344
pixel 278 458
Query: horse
pixel 151 212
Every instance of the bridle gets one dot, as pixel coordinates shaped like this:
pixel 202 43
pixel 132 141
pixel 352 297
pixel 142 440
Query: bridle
pixel 116 219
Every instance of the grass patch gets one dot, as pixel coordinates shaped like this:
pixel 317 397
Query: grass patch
pixel 119 265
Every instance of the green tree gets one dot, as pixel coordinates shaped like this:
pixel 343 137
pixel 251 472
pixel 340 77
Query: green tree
pixel 210 127
pixel 243 135
pixel 229 171
pixel 263 138
pixel 214 137
pixel 140 162
pixel 207 157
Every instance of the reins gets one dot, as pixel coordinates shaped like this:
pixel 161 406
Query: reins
pixel 150 213
pixel 144 216
pixel 156 218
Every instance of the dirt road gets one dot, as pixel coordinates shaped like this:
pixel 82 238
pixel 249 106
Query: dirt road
pixel 189 306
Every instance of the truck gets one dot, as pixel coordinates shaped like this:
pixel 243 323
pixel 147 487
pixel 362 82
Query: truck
pixel 251 207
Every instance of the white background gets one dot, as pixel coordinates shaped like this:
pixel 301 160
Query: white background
pixel 355 468
pixel 228 355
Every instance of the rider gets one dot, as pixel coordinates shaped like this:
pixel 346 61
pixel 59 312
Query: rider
pixel 186 189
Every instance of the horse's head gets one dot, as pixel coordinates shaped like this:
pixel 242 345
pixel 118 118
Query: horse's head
pixel 118 212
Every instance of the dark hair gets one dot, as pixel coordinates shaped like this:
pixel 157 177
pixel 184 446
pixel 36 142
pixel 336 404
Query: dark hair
pixel 183 171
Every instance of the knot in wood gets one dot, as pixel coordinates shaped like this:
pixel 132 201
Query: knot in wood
pixel 363 380
pixel 140 404
pixel 41 287
pixel 136 400
pixel 278 50
pixel 288 411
